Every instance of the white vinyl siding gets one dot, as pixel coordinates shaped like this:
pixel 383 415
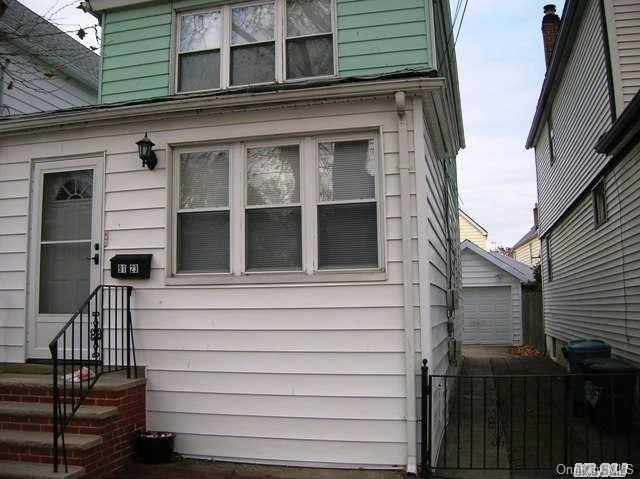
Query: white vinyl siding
pixel 14 204
pixel 595 291
pixel 296 373
pixel 433 267
pixel 478 273
pixel 580 114
pixel 34 95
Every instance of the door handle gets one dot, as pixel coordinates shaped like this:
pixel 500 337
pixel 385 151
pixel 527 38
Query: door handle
pixel 95 258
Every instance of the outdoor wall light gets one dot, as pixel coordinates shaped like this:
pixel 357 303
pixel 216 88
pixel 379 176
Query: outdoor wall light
pixel 146 153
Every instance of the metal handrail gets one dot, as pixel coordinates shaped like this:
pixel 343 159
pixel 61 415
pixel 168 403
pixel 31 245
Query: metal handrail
pixel 97 339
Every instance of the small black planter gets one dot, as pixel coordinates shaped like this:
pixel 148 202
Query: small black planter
pixel 154 447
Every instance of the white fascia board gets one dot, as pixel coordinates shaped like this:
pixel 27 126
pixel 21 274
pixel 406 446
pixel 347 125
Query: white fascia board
pixel 144 109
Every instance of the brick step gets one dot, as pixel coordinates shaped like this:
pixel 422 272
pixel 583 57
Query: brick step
pixel 83 450
pixel 38 388
pixel 111 415
pixel 32 416
pixel 34 470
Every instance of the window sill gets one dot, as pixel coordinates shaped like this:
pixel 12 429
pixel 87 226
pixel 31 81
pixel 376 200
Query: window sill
pixel 277 278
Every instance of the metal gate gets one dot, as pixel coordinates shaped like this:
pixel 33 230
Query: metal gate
pixel 545 423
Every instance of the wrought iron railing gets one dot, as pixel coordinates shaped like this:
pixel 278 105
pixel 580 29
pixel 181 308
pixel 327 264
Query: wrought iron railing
pixel 97 339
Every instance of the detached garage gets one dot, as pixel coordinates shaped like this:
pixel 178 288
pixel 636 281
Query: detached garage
pixel 492 296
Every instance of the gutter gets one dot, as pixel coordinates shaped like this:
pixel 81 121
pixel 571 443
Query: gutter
pixel 407 280
pixel 571 16
pixel 132 112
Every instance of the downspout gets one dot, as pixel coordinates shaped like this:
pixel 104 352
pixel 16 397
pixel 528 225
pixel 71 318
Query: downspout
pixel 407 282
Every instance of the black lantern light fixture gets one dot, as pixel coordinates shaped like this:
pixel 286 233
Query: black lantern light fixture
pixel 146 153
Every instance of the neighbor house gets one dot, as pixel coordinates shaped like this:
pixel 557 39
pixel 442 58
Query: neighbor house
pixel 585 135
pixel 527 249
pixel 471 230
pixel 41 67
pixel 302 220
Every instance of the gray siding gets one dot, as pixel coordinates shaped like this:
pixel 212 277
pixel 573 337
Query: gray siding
pixel 595 291
pixel 580 114
pixel 31 91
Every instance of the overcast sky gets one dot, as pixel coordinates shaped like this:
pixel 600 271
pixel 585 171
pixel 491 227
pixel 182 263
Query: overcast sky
pixel 501 65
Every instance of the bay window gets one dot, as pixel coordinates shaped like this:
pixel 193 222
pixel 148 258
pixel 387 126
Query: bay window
pixel 252 43
pixel 303 207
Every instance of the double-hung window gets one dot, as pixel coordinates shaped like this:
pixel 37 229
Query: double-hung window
pixel 252 43
pixel 309 38
pixel 199 45
pixel 301 206
pixel 273 222
pixel 347 208
pixel 202 223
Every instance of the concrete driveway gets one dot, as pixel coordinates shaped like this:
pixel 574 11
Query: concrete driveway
pixel 514 414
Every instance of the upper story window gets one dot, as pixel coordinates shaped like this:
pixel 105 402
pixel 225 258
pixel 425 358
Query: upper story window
pixel 309 38
pixel 599 204
pixel 254 43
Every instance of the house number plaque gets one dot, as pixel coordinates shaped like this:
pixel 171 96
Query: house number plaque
pixel 131 266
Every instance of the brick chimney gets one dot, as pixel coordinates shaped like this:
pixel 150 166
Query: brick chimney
pixel 536 221
pixel 550 27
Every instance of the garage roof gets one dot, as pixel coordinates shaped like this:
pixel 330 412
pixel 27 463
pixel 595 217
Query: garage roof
pixel 515 268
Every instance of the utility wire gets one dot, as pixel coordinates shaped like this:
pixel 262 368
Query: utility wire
pixel 464 10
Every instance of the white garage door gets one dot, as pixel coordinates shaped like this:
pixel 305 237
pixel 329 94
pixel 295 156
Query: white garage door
pixel 487 315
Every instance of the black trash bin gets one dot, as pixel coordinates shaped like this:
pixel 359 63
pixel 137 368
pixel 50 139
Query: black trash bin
pixel 609 393
pixel 577 352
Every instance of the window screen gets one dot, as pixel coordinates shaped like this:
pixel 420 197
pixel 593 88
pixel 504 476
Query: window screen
pixel 253 48
pixel 199 51
pixel 309 43
pixel 347 208
pixel 203 213
pixel 273 216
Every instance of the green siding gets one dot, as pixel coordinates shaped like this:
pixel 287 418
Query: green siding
pixel 374 37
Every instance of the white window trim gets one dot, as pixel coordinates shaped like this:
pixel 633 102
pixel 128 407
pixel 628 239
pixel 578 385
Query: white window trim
pixel 225 46
pixel 310 272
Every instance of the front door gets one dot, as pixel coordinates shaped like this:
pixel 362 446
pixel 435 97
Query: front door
pixel 65 245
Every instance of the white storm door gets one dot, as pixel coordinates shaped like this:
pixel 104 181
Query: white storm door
pixel 65 246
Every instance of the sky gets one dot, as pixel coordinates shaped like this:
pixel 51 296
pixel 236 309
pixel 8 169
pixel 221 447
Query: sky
pixel 501 69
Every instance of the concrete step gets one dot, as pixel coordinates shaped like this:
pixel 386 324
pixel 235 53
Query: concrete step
pixel 39 409
pixel 44 440
pixel 36 470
